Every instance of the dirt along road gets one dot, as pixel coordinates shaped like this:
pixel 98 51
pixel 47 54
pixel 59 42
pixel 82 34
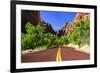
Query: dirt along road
pixel 54 54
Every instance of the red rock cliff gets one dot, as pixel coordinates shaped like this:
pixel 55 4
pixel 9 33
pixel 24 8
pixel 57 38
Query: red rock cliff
pixel 29 16
pixel 83 16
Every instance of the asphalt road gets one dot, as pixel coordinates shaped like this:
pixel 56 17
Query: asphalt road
pixel 54 54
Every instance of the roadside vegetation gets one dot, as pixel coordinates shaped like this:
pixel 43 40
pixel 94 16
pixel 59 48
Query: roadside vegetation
pixel 36 37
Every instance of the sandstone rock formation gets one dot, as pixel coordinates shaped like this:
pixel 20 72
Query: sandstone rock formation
pixel 67 29
pixel 83 16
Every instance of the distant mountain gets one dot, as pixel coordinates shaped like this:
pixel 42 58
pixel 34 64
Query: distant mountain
pixel 66 29
pixel 69 26
pixel 48 27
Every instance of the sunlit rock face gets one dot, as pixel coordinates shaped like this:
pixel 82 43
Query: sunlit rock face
pixel 68 28
pixel 83 16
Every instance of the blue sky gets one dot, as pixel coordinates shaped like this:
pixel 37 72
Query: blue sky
pixel 57 19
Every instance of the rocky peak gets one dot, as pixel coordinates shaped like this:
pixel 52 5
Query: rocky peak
pixel 48 27
pixel 83 16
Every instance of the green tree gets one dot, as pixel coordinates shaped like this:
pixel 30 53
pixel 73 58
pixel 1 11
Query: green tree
pixel 82 31
pixel 33 38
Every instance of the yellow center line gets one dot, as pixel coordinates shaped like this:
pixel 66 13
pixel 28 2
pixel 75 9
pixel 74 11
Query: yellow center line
pixel 58 56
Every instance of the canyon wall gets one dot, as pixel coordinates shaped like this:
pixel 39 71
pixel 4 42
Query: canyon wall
pixel 34 18
pixel 29 16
